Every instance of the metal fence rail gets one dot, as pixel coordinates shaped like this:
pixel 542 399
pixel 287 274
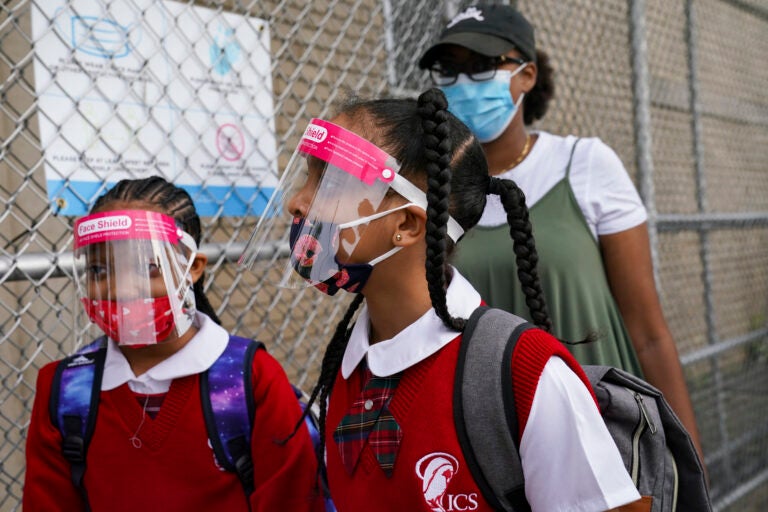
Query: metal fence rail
pixel 214 94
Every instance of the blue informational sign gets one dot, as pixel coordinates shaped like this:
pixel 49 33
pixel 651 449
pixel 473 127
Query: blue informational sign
pixel 136 88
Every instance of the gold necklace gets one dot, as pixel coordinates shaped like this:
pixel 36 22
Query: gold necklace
pixel 522 154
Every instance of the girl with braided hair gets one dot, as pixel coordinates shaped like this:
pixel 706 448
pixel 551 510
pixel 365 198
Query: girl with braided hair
pixel 377 198
pixel 140 279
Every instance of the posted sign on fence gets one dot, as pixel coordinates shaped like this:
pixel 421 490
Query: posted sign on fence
pixel 141 87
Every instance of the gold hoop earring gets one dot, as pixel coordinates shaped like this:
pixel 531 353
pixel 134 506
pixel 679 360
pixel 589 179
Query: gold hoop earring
pixel 398 237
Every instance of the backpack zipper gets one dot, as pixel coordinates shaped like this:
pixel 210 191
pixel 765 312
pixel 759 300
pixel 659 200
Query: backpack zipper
pixel 676 482
pixel 644 420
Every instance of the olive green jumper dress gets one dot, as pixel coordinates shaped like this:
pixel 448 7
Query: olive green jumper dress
pixel 571 270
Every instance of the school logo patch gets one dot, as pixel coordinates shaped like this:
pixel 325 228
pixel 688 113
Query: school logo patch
pixel 436 471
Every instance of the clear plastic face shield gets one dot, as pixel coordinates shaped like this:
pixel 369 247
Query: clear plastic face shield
pixel 132 269
pixel 340 181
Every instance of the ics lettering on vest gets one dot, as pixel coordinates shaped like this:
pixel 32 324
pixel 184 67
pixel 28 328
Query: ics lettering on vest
pixel 436 471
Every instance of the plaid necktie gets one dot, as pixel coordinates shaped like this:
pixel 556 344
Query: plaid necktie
pixel 369 420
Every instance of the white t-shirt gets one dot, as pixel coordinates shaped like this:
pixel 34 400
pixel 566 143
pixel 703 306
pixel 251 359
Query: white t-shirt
pixel 605 193
pixel 196 356
pixel 564 422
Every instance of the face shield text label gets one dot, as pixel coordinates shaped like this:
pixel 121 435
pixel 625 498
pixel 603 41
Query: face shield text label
pixel 125 225
pixel 91 227
pixel 348 151
pixel 315 133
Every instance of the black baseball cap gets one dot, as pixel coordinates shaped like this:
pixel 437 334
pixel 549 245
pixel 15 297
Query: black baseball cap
pixel 490 30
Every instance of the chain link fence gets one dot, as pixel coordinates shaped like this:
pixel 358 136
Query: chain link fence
pixel 214 95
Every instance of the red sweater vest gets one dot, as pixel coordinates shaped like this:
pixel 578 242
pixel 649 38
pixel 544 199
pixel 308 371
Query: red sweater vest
pixel 174 468
pixel 430 472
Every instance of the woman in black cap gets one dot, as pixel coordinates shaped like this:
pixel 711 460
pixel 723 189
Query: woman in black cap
pixel 589 221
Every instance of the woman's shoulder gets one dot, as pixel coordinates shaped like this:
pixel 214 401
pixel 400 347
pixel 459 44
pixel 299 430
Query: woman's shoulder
pixel 555 142
pixel 585 146
pixel 590 159
pixel 595 151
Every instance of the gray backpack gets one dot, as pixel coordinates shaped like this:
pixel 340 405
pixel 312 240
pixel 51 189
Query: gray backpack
pixel 657 451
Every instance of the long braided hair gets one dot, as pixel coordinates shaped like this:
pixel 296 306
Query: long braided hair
pixel 174 202
pixel 438 152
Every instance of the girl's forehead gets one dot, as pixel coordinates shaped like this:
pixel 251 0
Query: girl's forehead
pixel 130 204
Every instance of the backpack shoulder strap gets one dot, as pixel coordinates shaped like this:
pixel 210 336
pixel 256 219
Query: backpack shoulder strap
pixel 74 403
pixel 487 428
pixel 229 423
pixel 312 422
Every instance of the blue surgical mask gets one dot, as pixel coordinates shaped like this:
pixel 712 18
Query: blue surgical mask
pixel 486 107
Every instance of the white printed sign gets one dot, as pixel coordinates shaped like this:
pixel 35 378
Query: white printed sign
pixel 143 87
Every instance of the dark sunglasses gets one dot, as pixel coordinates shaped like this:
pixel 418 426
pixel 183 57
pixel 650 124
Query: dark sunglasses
pixel 478 70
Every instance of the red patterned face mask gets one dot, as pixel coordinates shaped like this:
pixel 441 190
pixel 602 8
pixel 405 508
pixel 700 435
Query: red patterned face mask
pixel 137 322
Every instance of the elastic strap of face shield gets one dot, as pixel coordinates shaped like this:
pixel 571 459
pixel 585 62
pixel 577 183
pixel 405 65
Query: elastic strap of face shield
pixel 187 241
pixel 370 218
pixel 415 195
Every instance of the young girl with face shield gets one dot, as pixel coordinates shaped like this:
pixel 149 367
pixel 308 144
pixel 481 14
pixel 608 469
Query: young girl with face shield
pixel 140 280
pixel 590 224
pixel 375 200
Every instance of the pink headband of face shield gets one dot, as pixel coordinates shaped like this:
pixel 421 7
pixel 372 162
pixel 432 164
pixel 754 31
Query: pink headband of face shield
pixel 128 225
pixel 364 160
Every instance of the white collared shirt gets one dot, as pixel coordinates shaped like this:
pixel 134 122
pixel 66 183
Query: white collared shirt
pixel 195 357
pixel 394 355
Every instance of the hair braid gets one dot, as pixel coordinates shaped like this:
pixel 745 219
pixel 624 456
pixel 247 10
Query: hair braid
pixel 432 107
pixel 176 203
pixel 526 257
